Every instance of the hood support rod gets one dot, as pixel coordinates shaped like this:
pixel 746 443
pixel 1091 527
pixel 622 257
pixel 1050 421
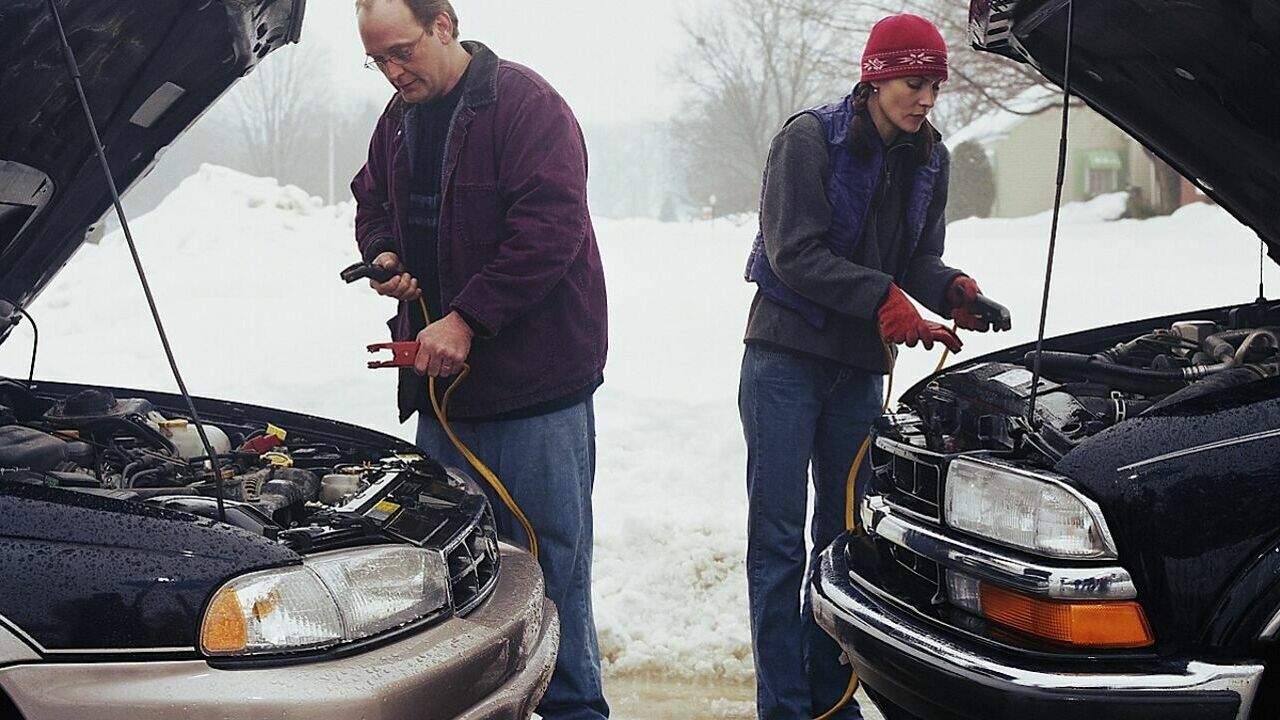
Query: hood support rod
pixel 1057 206
pixel 1262 261
pixel 74 68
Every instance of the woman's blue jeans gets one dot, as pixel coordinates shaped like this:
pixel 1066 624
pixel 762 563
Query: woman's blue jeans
pixel 548 464
pixel 798 413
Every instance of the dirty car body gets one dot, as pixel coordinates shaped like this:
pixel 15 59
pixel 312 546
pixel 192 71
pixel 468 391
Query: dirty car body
pixel 1117 554
pixel 345 575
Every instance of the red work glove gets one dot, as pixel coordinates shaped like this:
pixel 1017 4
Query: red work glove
pixel 960 294
pixel 943 334
pixel 900 323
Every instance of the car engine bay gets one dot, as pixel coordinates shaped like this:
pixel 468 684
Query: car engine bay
pixel 983 406
pixel 305 493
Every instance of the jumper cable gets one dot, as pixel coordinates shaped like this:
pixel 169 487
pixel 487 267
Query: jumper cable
pixel 404 352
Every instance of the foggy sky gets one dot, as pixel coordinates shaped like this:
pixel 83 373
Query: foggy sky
pixel 611 59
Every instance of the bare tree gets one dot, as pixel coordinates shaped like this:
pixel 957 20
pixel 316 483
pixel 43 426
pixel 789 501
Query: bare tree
pixel 979 82
pixel 756 62
pixel 279 111
pixel 748 68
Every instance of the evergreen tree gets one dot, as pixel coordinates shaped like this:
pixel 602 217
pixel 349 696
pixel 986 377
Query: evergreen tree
pixel 668 211
pixel 973 185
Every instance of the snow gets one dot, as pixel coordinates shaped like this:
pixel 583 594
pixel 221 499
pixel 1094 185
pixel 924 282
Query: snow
pixel 1099 209
pixel 246 276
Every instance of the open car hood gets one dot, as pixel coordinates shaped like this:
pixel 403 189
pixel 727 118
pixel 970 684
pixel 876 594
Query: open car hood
pixel 1195 81
pixel 149 70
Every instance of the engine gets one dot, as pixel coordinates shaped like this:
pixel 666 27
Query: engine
pixel 984 406
pixel 128 449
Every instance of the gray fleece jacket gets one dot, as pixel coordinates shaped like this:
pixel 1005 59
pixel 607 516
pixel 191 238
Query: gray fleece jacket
pixel 795 216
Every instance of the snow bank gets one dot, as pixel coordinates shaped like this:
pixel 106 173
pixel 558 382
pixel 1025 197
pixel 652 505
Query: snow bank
pixel 245 273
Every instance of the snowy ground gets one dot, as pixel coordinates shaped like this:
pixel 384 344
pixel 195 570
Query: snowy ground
pixel 245 273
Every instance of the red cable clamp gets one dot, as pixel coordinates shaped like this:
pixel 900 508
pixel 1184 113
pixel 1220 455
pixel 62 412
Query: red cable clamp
pixel 403 353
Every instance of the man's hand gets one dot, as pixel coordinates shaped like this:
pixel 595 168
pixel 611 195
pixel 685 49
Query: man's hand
pixel 443 346
pixel 402 287
pixel 960 294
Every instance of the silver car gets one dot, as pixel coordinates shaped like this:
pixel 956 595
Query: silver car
pixel 268 565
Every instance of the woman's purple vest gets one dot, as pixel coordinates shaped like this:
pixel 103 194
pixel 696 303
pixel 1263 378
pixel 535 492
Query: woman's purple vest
pixel 849 191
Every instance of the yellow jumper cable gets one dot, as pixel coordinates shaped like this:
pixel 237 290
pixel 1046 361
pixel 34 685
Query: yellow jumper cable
pixel 851 512
pixel 441 408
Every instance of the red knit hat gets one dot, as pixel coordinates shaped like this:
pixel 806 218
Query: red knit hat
pixel 904 45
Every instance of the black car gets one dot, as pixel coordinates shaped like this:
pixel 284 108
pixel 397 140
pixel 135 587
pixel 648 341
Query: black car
pixel 1114 553
pixel 289 567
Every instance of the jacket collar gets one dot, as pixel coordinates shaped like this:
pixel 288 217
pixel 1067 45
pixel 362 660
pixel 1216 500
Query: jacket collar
pixel 482 78
pixel 872 134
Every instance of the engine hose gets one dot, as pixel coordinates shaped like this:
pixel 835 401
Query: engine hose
pixel 1095 368
pixel 1221 381
pixel 126 475
pixel 441 408
pixel 1249 341
pixel 142 478
pixel 1115 408
pixel 1122 351
pixel 1127 353
pixel 1219 346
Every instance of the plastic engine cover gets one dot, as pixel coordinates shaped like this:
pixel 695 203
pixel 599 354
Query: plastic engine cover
pixel 22 448
pixel 979 406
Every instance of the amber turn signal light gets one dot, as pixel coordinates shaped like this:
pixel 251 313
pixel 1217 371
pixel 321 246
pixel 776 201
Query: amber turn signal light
pixel 1097 624
pixel 224 629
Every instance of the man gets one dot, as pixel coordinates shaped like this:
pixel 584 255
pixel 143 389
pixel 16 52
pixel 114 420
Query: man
pixel 475 189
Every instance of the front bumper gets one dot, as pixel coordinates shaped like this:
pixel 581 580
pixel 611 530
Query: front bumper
pixel 494 664
pixel 917 665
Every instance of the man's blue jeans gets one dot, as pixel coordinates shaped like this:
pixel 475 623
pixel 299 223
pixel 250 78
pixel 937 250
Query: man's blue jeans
pixel 548 464
pixel 796 412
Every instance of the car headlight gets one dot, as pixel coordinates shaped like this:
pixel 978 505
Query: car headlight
pixel 1029 510
pixel 332 598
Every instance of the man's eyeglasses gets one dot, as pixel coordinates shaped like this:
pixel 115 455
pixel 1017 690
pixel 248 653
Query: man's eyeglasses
pixel 399 56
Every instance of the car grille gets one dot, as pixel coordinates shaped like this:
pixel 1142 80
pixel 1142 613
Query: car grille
pixel 916 479
pixel 917 564
pixel 473 565
pixel 909 576
pixel 467 538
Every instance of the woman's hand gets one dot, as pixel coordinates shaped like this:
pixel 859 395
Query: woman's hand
pixel 960 294
pixel 900 323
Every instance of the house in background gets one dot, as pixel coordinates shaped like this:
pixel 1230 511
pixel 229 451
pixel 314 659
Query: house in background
pixel 1022 146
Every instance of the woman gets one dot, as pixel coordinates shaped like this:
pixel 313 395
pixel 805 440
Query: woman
pixel 851 216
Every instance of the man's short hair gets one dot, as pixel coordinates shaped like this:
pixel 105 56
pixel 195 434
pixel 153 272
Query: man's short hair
pixel 426 11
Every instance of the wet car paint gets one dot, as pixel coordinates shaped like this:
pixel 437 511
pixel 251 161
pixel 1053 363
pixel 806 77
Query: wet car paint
pixel 92 574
